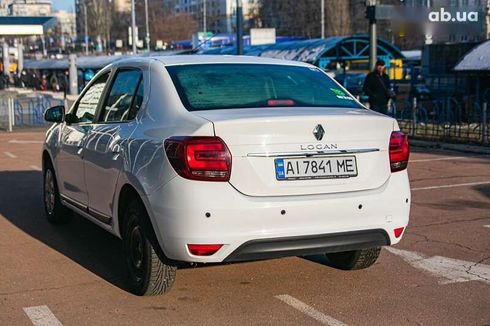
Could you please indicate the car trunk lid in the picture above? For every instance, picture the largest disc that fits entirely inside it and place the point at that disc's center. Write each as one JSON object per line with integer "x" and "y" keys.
{"x": 258, "y": 138}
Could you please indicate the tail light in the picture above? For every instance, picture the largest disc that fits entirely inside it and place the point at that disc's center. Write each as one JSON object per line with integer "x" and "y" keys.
{"x": 399, "y": 151}
{"x": 398, "y": 232}
{"x": 199, "y": 158}
{"x": 204, "y": 249}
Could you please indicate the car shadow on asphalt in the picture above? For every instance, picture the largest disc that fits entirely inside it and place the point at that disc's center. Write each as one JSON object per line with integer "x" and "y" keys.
{"x": 484, "y": 190}
{"x": 80, "y": 240}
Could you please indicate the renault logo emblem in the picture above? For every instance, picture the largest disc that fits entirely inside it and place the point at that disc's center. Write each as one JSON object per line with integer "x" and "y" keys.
{"x": 318, "y": 132}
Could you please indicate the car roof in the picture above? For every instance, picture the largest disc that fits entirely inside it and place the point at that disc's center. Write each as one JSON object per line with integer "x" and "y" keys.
{"x": 204, "y": 59}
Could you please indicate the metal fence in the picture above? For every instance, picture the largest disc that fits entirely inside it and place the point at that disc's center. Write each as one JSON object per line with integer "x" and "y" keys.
{"x": 25, "y": 110}
{"x": 443, "y": 120}
{"x": 449, "y": 120}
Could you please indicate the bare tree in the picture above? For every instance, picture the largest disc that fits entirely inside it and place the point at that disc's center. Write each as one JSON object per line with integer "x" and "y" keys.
{"x": 99, "y": 19}
{"x": 176, "y": 27}
{"x": 342, "y": 17}
{"x": 302, "y": 18}
{"x": 165, "y": 24}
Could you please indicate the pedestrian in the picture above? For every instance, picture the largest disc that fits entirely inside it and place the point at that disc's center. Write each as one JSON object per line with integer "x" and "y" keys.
{"x": 377, "y": 88}
{"x": 24, "y": 79}
{"x": 65, "y": 84}
{"x": 6, "y": 78}
{"x": 44, "y": 83}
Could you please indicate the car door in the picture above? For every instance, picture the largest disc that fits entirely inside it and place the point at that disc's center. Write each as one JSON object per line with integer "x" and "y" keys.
{"x": 103, "y": 159}
{"x": 69, "y": 160}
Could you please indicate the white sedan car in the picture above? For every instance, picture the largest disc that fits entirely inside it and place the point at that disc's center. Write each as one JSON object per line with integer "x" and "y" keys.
{"x": 209, "y": 159}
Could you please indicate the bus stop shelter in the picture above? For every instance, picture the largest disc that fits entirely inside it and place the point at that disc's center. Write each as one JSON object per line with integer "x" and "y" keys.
{"x": 17, "y": 27}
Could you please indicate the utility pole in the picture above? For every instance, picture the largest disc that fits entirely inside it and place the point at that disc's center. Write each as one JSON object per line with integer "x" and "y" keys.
{"x": 6, "y": 59}
{"x": 73, "y": 80}
{"x": 204, "y": 17}
{"x": 239, "y": 27}
{"x": 133, "y": 27}
{"x": 323, "y": 18}
{"x": 371, "y": 15}
{"x": 147, "y": 26}
{"x": 85, "y": 25}
{"x": 108, "y": 27}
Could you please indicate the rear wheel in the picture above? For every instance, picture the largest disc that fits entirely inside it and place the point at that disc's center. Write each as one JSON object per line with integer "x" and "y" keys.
{"x": 352, "y": 260}
{"x": 55, "y": 211}
{"x": 148, "y": 274}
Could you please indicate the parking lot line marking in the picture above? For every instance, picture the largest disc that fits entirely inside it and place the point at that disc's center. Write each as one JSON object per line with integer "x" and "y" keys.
{"x": 453, "y": 185}
{"x": 42, "y": 316}
{"x": 449, "y": 270}
{"x": 35, "y": 167}
{"x": 15, "y": 141}
{"x": 445, "y": 158}
{"x": 10, "y": 155}
{"x": 309, "y": 311}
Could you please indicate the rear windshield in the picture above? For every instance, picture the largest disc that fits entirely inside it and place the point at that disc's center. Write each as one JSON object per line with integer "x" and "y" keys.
{"x": 238, "y": 86}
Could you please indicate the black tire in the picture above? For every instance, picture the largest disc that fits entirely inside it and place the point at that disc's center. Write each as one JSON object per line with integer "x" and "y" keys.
{"x": 352, "y": 260}
{"x": 56, "y": 213}
{"x": 148, "y": 274}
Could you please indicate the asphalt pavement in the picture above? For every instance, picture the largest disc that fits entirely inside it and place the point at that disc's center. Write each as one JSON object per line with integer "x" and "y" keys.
{"x": 75, "y": 274}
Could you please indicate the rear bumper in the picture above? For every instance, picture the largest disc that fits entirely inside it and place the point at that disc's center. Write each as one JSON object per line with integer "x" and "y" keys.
{"x": 266, "y": 227}
{"x": 309, "y": 245}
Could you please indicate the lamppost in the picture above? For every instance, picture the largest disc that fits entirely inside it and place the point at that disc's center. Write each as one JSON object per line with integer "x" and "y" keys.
{"x": 371, "y": 13}
{"x": 133, "y": 27}
{"x": 239, "y": 27}
{"x": 204, "y": 16}
{"x": 147, "y": 26}
{"x": 323, "y": 18}
{"x": 108, "y": 25}
{"x": 85, "y": 25}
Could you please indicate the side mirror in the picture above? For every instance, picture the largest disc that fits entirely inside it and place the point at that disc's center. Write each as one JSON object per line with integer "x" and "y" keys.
{"x": 71, "y": 118}
{"x": 55, "y": 114}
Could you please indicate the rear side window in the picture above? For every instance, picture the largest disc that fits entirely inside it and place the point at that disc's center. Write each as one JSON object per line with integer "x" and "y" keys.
{"x": 234, "y": 86}
{"x": 121, "y": 101}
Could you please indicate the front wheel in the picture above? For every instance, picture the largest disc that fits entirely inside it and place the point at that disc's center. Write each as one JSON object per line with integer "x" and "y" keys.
{"x": 352, "y": 260}
{"x": 148, "y": 274}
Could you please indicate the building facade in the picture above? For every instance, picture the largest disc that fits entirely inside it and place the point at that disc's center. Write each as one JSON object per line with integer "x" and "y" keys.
{"x": 4, "y": 6}
{"x": 67, "y": 23}
{"x": 30, "y": 8}
{"x": 219, "y": 15}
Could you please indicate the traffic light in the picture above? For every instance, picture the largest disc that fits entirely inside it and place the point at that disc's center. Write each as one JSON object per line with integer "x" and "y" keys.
{"x": 371, "y": 12}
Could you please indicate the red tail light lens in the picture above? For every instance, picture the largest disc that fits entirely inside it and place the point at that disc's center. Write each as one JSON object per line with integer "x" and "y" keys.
{"x": 199, "y": 158}
{"x": 204, "y": 249}
{"x": 398, "y": 232}
{"x": 399, "y": 151}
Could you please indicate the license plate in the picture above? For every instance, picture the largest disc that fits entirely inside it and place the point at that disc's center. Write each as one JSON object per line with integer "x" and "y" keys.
{"x": 316, "y": 168}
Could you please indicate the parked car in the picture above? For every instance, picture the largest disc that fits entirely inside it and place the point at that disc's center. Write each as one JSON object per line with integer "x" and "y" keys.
{"x": 210, "y": 159}
{"x": 353, "y": 82}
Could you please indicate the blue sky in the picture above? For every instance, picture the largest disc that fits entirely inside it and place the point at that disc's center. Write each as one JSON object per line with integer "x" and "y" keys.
{"x": 63, "y": 4}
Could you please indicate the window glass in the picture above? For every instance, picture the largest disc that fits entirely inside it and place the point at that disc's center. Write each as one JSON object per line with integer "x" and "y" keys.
{"x": 238, "y": 86}
{"x": 88, "y": 103}
{"x": 120, "y": 99}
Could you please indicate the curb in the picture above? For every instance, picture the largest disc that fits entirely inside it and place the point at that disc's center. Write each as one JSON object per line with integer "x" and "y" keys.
{"x": 475, "y": 149}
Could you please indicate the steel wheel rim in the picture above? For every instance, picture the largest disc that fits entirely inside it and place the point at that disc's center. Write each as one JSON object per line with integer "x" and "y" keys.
{"x": 49, "y": 192}
{"x": 136, "y": 255}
